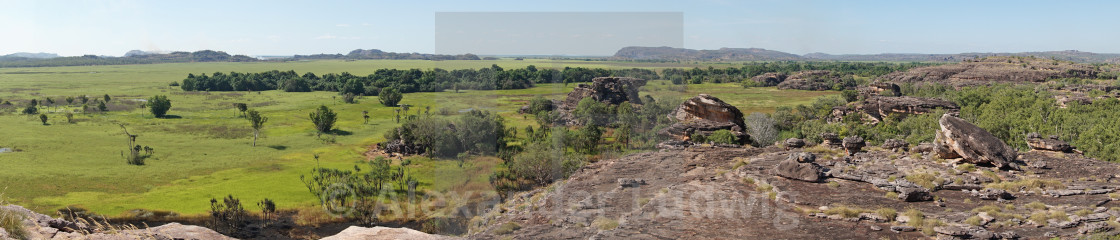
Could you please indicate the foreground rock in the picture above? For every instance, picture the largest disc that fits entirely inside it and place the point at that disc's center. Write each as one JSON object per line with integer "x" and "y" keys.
{"x": 39, "y": 226}
{"x": 705, "y": 114}
{"x": 973, "y": 144}
{"x": 682, "y": 198}
{"x": 384, "y": 233}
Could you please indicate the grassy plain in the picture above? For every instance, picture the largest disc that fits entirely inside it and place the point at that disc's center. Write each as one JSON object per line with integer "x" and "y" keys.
{"x": 204, "y": 150}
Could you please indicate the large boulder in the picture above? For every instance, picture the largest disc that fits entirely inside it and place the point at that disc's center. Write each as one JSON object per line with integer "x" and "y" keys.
{"x": 853, "y": 144}
{"x": 705, "y": 114}
{"x": 831, "y": 140}
{"x": 1036, "y": 142}
{"x": 974, "y": 144}
{"x": 800, "y": 166}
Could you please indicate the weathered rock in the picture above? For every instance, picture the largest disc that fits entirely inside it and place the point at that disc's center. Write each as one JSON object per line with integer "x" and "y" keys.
{"x": 383, "y": 233}
{"x": 831, "y": 140}
{"x": 799, "y": 166}
{"x": 992, "y": 194}
{"x": 1036, "y": 142}
{"x": 951, "y": 231}
{"x": 924, "y": 148}
{"x": 992, "y": 70}
{"x": 903, "y": 229}
{"x": 914, "y": 194}
{"x": 794, "y": 143}
{"x": 884, "y": 89}
{"x": 974, "y": 144}
{"x": 631, "y": 182}
{"x": 769, "y": 79}
{"x": 1098, "y": 227}
{"x": 673, "y": 144}
{"x": 41, "y": 226}
{"x": 705, "y": 114}
{"x": 879, "y": 107}
{"x": 897, "y": 145}
{"x": 853, "y": 144}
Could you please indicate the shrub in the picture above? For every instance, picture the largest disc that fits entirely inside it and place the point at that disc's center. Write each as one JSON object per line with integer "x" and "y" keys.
{"x": 542, "y": 163}
{"x": 12, "y": 222}
{"x": 159, "y": 105}
{"x": 323, "y": 118}
{"x": 349, "y": 98}
{"x": 762, "y": 129}
{"x": 227, "y": 216}
{"x": 507, "y": 228}
{"x": 888, "y": 213}
{"x": 724, "y": 137}
{"x": 43, "y": 118}
{"x": 30, "y": 110}
{"x": 390, "y": 97}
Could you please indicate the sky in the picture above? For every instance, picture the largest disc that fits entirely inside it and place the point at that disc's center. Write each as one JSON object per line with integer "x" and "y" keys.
{"x": 279, "y": 27}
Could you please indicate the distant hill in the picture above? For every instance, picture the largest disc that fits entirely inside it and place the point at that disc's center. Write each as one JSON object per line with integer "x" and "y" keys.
{"x": 722, "y": 54}
{"x": 759, "y": 54}
{"x": 358, "y": 54}
{"x": 132, "y": 57}
{"x": 30, "y": 55}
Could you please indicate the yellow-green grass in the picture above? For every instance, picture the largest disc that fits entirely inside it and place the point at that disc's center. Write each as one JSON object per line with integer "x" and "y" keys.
{"x": 204, "y": 151}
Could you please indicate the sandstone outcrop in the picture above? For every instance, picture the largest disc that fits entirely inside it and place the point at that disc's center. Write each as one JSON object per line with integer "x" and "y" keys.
{"x": 816, "y": 80}
{"x": 609, "y": 90}
{"x": 1036, "y": 142}
{"x": 705, "y": 114}
{"x": 879, "y": 107}
{"x": 973, "y": 144}
{"x": 769, "y": 79}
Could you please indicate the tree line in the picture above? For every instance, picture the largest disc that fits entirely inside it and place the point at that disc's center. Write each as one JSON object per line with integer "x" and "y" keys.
{"x": 404, "y": 81}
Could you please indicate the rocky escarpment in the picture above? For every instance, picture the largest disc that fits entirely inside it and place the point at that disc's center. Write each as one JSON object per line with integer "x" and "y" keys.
{"x": 769, "y": 79}
{"x": 703, "y": 115}
{"x": 994, "y": 70}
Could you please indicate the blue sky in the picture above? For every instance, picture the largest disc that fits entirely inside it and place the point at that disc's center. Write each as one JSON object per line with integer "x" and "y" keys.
{"x": 309, "y": 27}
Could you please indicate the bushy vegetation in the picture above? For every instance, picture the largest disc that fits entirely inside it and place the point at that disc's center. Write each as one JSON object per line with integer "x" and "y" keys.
{"x": 404, "y": 81}
{"x": 476, "y": 132}
{"x": 159, "y": 105}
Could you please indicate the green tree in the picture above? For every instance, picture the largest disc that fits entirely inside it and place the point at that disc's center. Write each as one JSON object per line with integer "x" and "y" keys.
{"x": 101, "y": 106}
{"x": 107, "y": 98}
{"x": 323, "y": 118}
{"x": 390, "y": 97}
{"x": 242, "y": 107}
{"x": 69, "y": 100}
{"x": 257, "y": 122}
{"x": 29, "y": 110}
{"x": 84, "y": 98}
{"x": 43, "y": 118}
{"x": 159, "y": 105}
